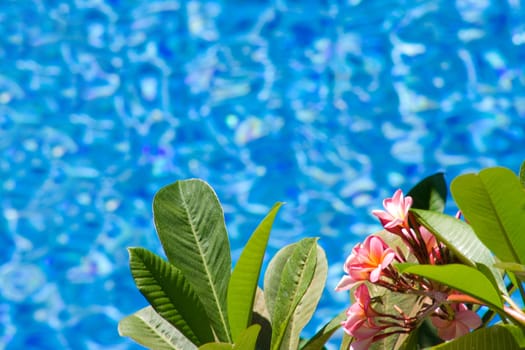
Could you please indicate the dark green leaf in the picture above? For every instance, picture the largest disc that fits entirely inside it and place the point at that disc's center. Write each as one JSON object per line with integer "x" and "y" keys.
{"x": 493, "y": 202}
{"x": 170, "y": 294}
{"x": 430, "y": 193}
{"x": 499, "y": 337}
{"x": 243, "y": 283}
{"x": 463, "y": 278}
{"x": 190, "y": 224}
{"x": 149, "y": 329}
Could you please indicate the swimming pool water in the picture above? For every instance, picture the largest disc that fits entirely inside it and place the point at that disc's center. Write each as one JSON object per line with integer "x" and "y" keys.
{"x": 326, "y": 105}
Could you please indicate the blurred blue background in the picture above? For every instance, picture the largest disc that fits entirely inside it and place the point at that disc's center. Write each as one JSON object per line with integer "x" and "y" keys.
{"x": 327, "y": 105}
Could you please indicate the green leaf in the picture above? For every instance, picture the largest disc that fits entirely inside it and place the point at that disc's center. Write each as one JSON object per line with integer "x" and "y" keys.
{"x": 517, "y": 269}
{"x": 308, "y": 303}
{"x": 430, "y": 193}
{"x": 170, "y": 294}
{"x": 287, "y": 278}
{"x": 499, "y": 337}
{"x": 243, "y": 282}
{"x": 463, "y": 278}
{"x": 149, "y": 329}
{"x": 190, "y": 224}
{"x": 522, "y": 174}
{"x": 216, "y": 346}
{"x": 459, "y": 237}
{"x": 318, "y": 341}
{"x": 346, "y": 341}
{"x": 247, "y": 341}
{"x": 248, "y": 338}
{"x": 493, "y": 202}
{"x": 384, "y": 301}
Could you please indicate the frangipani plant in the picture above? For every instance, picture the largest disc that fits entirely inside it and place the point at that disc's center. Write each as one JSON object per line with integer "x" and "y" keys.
{"x": 428, "y": 280}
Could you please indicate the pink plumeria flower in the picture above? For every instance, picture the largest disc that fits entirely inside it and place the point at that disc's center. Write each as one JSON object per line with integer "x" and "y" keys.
{"x": 366, "y": 262}
{"x": 359, "y": 323}
{"x": 395, "y": 215}
{"x": 453, "y": 326}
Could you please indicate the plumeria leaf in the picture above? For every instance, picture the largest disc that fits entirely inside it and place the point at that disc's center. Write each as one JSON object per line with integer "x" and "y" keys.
{"x": 522, "y": 174}
{"x": 170, "y": 294}
{"x": 385, "y": 299}
{"x": 190, "y": 224}
{"x": 430, "y": 193}
{"x": 286, "y": 281}
{"x": 217, "y": 346}
{"x": 247, "y": 339}
{"x": 493, "y": 202}
{"x": 501, "y": 337}
{"x": 517, "y": 269}
{"x": 149, "y": 329}
{"x": 463, "y": 278}
{"x": 318, "y": 341}
{"x": 243, "y": 283}
{"x": 459, "y": 237}
{"x": 308, "y": 303}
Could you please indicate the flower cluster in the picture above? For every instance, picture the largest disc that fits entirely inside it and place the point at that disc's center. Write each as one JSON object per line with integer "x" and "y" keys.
{"x": 372, "y": 263}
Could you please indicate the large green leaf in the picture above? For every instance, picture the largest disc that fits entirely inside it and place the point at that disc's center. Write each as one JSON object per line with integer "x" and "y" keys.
{"x": 190, "y": 224}
{"x": 287, "y": 278}
{"x": 463, "y": 278}
{"x": 308, "y": 303}
{"x": 493, "y": 202}
{"x": 501, "y": 337}
{"x": 318, "y": 341}
{"x": 430, "y": 193}
{"x": 243, "y": 282}
{"x": 459, "y": 237}
{"x": 148, "y": 328}
{"x": 170, "y": 294}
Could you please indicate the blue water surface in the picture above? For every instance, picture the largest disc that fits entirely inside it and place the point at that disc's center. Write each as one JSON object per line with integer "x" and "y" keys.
{"x": 327, "y": 105}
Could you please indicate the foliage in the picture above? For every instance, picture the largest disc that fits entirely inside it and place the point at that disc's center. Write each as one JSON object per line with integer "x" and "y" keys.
{"x": 428, "y": 280}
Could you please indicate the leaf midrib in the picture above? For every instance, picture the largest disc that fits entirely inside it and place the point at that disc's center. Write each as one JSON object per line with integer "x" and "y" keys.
{"x": 292, "y": 309}
{"x": 201, "y": 254}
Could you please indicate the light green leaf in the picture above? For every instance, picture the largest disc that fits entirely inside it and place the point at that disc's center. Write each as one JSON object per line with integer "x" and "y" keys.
{"x": 522, "y": 174}
{"x": 499, "y": 337}
{"x": 216, "y": 346}
{"x": 384, "y": 300}
{"x": 169, "y": 293}
{"x": 293, "y": 268}
{"x": 247, "y": 341}
{"x": 318, "y": 341}
{"x": 459, "y": 237}
{"x": 248, "y": 338}
{"x": 308, "y": 303}
{"x": 243, "y": 282}
{"x": 149, "y": 329}
{"x": 346, "y": 341}
{"x": 517, "y": 269}
{"x": 430, "y": 193}
{"x": 493, "y": 202}
{"x": 190, "y": 224}
{"x": 463, "y": 278}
